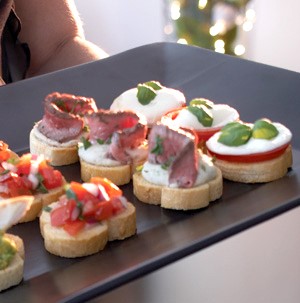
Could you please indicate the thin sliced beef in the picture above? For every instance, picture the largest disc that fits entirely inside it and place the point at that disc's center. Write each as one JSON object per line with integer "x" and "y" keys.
{"x": 124, "y": 130}
{"x": 175, "y": 151}
{"x": 63, "y": 116}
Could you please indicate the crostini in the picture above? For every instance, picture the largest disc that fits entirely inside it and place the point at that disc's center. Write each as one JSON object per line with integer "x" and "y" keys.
{"x": 12, "y": 251}
{"x": 56, "y": 136}
{"x": 115, "y": 145}
{"x": 203, "y": 116}
{"x": 150, "y": 99}
{"x": 30, "y": 175}
{"x": 86, "y": 217}
{"x": 252, "y": 153}
{"x": 177, "y": 175}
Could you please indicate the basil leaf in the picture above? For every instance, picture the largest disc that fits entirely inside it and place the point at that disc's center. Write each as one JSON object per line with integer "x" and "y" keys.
{"x": 71, "y": 194}
{"x": 6, "y": 171}
{"x": 47, "y": 208}
{"x": 204, "y": 117}
{"x": 86, "y": 143}
{"x": 145, "y": 94}
{"x": 264, "y": 129}
{"x": 100, "y": 141}
{"x": 158, "y": 149}
{"x": 201, "y": 101}
{"x": 154, "y": 84}
{"x": 235, "y": 134}
{"x": 41, "y": 187}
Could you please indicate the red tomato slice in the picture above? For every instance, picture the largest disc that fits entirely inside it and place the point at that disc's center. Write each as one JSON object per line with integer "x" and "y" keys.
{"x": 58, "y": 216}
{"x": 74, "y": 227}
{"x": 252, "y": 158}
{"x": 52, "y": 178}
{"x": 111, "y": 189}
{"x": 104, "y": 210}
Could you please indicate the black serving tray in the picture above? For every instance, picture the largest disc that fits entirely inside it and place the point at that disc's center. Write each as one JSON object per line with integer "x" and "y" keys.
{"x": 163, "y": 236}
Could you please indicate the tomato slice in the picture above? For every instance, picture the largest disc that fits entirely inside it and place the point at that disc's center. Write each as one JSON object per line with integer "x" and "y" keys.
{"x": 52, "y": 178}
{"x": 58, "y": 216}
{"x": 252, "y": 158}
{"x": 74, "y": 227}
{"x": 111, "y": 189}
{"x": 104, "y": 210}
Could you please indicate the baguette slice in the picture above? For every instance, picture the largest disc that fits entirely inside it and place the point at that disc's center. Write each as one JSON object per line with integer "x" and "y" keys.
{"x": 57, "y": 156}
{"x": 119, "y": 175}
{"x": 260, "y": 172}
{"x": 122, "y": 225}
{"x": 40, "y": 201}
{"x": 59, "y": 242}
{"x": 178, "y": 198}
{"x": 13, "y": 274}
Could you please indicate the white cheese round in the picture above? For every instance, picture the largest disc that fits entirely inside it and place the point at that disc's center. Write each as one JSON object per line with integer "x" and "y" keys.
{"x": 166, "y": 99}
{"x": 253, "y": 145}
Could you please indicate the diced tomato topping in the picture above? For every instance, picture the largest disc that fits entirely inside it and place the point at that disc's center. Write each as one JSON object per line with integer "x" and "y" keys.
{"x": 4, "y": 155}
{"x": 104, "y": 210}
{"x": 58, "y": 217}
{"x": 111, "y": 189}
{"x": 117, "y": 205}
{"x": 74, "y": 227}
{"x": 17, "y": 186}
{"x": 52, "y": 178}
{"x": 23, "y": 165}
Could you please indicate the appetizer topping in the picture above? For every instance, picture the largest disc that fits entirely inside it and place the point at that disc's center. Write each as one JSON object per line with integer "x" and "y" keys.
{"x": 7, "y": 251}
{"x": 28, "y": 175}
{"x": 122, "y": 131}
{"x": 87, "y": 203}
{"x": 248, "y": 147}
{"x": 63, "y": 116}
{"x": 175, "y": 151}
{"x": 4, "y": 151}
{"x": 150, "y": 99}
{"x": 201, "y": 101}
{"x": 146, "y": 91}
{"x": 238, "y": 133}
{"x": 201, "y": 113}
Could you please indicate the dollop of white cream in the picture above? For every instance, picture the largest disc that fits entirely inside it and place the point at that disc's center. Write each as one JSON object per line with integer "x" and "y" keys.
{"x": 96, "y": 154}
{"x": 166, "y": 99}
{"x": 221, "y": 113}
{"x": 51, "y": 142}
{"x": 155, "y": 174}
{"x": 253, "y": 145}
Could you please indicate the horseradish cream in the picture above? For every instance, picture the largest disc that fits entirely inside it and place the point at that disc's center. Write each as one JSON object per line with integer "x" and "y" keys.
{"x": 155, "y": 174}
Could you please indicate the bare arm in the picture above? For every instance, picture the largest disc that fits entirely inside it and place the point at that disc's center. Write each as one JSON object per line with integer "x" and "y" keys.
{"x": 54, "y": 34}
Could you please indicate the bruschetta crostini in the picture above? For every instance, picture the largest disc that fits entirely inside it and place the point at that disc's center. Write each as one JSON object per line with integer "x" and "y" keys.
{"x": 252, "y": 153}
{"x": 116, "y": 144}
{"x": 30, "y": 175}
{"x": 86, "y": 217}
{"x": 12, "y": 251}
{"x": 176, "y": 175}
{"x": 150, "y": 99}
{"x": 203, "y": 116}
{"x": 56, "y": 136}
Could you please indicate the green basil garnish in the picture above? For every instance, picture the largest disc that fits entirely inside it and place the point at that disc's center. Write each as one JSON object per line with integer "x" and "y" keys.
{"x": 86, "y": 143}
{"x": 158, "y": 149}
{"x": 263, "y": 129}
{"x": 145, "y": 94}
{"x": 154, "y": 84}
{"x": 201, "y": 101}
{"x": 41, "y": 187}
{"x": 203, "y": 116}
{"x": 47, "y": 208}
{"x": 235, "y": 134}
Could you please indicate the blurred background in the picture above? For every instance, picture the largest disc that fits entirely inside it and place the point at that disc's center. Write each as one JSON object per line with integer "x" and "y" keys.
{"x": 260, "y": 264}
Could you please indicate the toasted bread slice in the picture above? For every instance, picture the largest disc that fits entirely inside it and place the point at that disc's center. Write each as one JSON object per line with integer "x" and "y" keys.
{"x": 57, "y": 156}
{"x": 260, "y": 172}
{"x": 13, "y": 274}
{"x": 178, "y": 198}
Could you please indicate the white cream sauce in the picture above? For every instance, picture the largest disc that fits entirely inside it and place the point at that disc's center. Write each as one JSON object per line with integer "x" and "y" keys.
{"x": 155, "y": 174}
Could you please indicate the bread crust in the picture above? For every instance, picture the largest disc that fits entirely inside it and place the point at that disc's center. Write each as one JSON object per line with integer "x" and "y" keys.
{"x": 13, "y": 274}
{"x": 122, "y": 225}
{"x": 91, "y": 240}
{"x": 40, "y": 201}
{"x": 260, "y": 172}
{"x": 178, "y": 198}
{"x": 119, "y": 175}
{"x": 57, "y": 156}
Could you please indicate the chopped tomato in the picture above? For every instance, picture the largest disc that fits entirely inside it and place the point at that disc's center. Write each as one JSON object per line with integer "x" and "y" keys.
{"x": 4, "y": 155}
{"x": 117, "y": 205}
{"x": 74, "y": 227}
{"x": 23, "y": 165}
{"x": 104, "y": 210}
{"x": 17, "y": 186}
{"x": 81, "y": 193}
{"x": 252, "y": 158}
{"x": 52, "y": 178}
{"x": 62, "y": 214}
{"x": 111, "y": 189}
